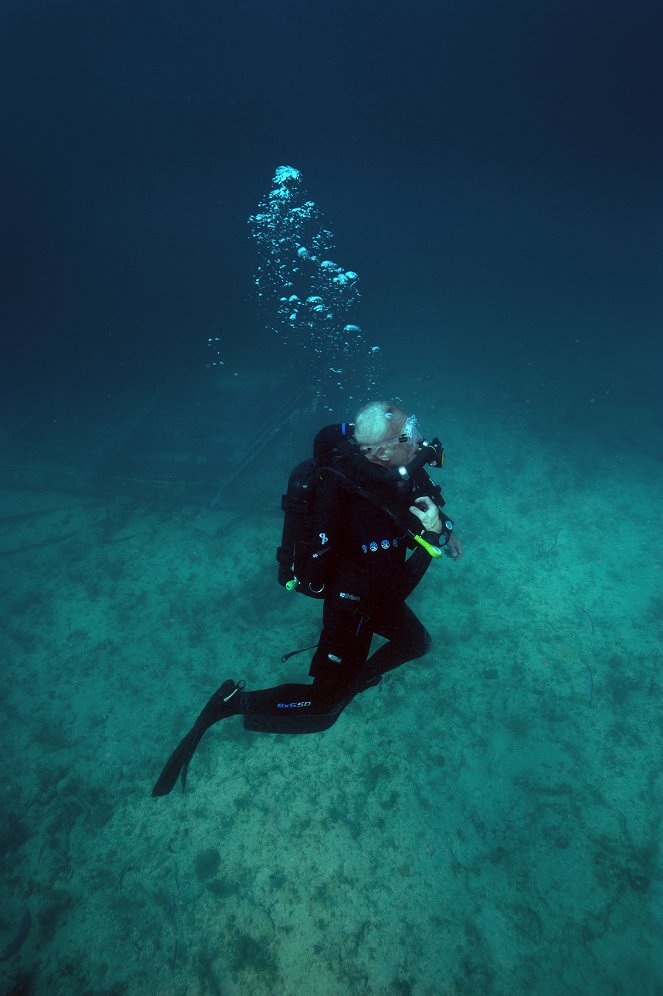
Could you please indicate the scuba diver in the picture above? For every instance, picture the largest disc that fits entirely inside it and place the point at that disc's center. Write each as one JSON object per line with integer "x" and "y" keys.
{"x": 351, "y": 514}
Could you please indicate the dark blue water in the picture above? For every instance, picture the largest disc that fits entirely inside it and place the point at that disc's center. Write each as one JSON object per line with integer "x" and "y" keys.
{"x": 498, "y": 166}
{"x": 493, "y": 174}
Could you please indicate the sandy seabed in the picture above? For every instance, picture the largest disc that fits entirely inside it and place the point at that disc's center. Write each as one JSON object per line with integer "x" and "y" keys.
{"x": 487, "y": 820}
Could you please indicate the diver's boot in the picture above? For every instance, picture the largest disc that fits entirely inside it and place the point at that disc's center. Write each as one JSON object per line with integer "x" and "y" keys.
{"x": 225, "y": 702}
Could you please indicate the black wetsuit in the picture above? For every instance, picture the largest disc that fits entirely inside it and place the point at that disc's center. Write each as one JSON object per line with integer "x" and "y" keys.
{"x": 366, "y": 596}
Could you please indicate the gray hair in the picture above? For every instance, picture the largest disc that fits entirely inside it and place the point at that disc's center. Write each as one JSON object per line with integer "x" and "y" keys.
{"x": 375, "y": 422}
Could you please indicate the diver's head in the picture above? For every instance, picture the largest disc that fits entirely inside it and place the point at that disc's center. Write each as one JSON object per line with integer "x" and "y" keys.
{"x": 386, "y": 435}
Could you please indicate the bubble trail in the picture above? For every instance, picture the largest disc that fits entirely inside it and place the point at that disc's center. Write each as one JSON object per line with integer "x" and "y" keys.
{"x": 306, "y": 296}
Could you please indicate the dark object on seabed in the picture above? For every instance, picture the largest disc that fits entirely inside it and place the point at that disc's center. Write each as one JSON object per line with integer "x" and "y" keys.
{"x": 19, "y": 938}
{"x": 221, "y": 705}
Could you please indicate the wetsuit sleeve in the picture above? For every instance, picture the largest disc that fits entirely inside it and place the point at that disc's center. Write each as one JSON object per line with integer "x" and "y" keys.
{"x": 419, "y": 560}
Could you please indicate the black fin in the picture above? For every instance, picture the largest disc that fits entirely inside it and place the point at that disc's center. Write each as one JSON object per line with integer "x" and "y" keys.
{"x": 178, "y": 760}
{"x": 219, "y": 706}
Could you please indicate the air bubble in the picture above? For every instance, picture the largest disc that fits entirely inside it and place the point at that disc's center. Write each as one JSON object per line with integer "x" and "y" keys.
{"x": 305, "y": 293}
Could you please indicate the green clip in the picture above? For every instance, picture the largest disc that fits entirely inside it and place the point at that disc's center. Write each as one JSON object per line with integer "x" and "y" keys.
{"x": 434, "y": 551}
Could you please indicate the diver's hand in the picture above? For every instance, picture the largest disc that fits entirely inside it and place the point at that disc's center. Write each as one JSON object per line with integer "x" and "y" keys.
{"x": 428, "y": 514}
{"x": 454, "y": 547}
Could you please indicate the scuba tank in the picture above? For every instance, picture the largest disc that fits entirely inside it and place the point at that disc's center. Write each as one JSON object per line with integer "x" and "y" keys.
{"x": 299, "y": 569}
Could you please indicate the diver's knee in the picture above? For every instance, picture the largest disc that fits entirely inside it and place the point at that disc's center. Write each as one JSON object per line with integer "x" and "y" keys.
{"x": 330, "y": 691}
{"x": 423, "y": 644}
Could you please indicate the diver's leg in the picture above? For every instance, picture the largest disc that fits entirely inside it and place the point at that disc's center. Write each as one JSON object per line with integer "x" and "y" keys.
{"x": 342, "y": 650}
{"x": 344, "y": 644}
{"x": 267, "y": 701}
{"x": 295, "y": 708}
{"x": 407, "y": 639}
